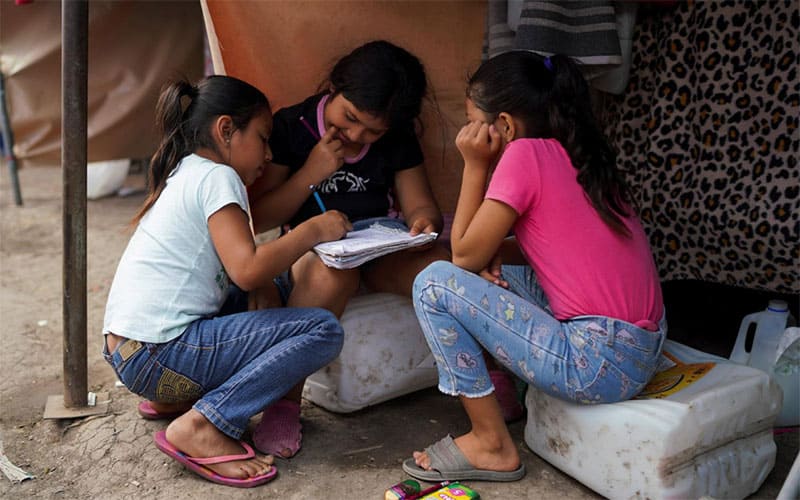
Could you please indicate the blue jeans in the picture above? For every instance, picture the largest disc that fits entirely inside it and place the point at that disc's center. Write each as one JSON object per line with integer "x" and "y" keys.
{"x": 587, "y": 359}
{"x": 234, "y": 365}
{"x": 391, "y": 222}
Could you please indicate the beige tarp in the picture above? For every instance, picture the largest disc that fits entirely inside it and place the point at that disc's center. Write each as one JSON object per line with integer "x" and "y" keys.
{"x": 133, "y": 48}
{"x": 287, "y": 48}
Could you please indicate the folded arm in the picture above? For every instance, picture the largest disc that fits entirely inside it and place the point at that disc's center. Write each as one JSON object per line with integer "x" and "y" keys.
{"x": 416, "y": 201}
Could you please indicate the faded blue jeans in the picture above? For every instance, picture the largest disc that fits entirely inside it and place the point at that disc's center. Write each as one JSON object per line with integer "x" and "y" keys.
{"x": 586, "y": 359}
{"x": 234, "y": 365}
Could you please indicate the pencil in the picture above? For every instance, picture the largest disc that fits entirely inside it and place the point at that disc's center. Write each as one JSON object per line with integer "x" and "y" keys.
{"x": 435, "y": 487}
{"x": 309, "y": 128}
{"x": 317, "y": 197}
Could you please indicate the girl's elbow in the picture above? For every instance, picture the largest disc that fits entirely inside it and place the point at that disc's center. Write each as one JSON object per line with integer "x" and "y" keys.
{"x": 245, "y": 281}
{"x": 462, "y": 257}
{"x": 242, "y": 285}
{"x": 464, "y": 262}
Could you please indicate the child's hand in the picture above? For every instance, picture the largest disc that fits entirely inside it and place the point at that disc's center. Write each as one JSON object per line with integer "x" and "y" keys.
{"x": 479, "y": 143}
{"x": 421, "y": 225}
{"x": 326, "y": 157}
{"x": 331, "y": 226}
{"x": 492, "y": 272}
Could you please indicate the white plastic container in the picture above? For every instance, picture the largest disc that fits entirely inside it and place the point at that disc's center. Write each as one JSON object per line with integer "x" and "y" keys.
{"x": 787, "y": 374}
{"x": 703, "y": 428}
{"x": 774, "y": 349}
{"x": 384, "y": 356}
{"x": 104, "y": 178}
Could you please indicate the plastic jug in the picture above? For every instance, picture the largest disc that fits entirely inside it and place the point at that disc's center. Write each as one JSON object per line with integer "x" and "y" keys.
{"x": 775, "y": 349}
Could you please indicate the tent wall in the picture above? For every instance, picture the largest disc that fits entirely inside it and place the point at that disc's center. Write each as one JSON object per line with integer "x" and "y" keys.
{"x": 287, "y": 48}
{"x": 133, "y": 48}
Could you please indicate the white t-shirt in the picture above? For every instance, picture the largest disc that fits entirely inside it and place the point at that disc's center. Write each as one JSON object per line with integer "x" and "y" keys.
{"x": 170, "y": 274}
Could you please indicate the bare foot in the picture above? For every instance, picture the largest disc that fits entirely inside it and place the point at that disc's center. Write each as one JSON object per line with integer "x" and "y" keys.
{"x": 194, "y": 435}
{"x": 279, "y": 432}
{"x": 501, "y": 456}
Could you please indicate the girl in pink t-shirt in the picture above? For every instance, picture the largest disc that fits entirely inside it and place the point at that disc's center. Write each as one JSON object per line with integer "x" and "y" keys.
{"x": 572, "y": 302}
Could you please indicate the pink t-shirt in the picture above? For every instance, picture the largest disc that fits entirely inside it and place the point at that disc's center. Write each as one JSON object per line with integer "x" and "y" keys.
{"x": 583, "y": 266}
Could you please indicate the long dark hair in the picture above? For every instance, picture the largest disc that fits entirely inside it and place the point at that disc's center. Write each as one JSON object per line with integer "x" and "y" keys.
{"x": 185, "y": 125}
{"x": 383, "y": 80}
{"x": 552, "y": 99}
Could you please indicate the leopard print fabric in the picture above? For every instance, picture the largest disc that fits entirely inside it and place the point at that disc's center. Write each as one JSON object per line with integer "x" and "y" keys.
{"x": 707, "y": 132}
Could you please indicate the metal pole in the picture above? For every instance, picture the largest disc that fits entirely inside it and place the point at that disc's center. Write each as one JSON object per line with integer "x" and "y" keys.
{"x": 8, "y": 143}
{"x": 74, "y": 66}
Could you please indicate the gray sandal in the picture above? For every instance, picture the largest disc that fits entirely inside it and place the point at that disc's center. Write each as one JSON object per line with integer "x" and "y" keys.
{"x": 449, "y": 464}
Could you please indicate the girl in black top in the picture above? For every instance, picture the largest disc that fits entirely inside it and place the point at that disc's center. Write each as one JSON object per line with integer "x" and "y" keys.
{"x": 355, "y": 144}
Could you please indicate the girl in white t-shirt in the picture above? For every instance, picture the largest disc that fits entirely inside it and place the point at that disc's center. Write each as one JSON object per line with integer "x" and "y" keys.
{"x": 572, "y": 302}
{"x": 177, "y": 331}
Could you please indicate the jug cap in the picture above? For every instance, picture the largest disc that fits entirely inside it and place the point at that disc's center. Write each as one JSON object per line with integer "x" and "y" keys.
{"x": 776, "y": 305}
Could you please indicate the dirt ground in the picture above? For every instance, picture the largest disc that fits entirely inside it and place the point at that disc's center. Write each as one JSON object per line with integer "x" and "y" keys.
{"x": 111, "y": 456}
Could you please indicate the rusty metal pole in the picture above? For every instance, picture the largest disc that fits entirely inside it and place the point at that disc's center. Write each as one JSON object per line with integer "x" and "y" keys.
{"x": 74, "y": 71}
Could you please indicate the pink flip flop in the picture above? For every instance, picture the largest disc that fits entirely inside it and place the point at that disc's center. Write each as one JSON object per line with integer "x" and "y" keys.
{"x": 197, "y": 465}
{"x": 506, "y": 393}
{"x": 279, "y": 429}
{"x": 147, "y": 412}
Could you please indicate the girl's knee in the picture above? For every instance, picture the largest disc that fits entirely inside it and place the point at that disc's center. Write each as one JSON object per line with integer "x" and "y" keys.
{"x": 434, "y": 272}
{"x": 316, "y": 276}
{"x": 331, "y": 325}
{"x": 331, "y": 331}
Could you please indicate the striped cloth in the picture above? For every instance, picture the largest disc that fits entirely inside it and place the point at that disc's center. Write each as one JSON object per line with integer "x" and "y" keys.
{"x": 596, "y": 34}
{"x": 584, "y": 30}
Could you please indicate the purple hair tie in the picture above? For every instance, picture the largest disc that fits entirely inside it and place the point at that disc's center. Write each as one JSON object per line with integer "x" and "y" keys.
{"x": 548, "y": 64}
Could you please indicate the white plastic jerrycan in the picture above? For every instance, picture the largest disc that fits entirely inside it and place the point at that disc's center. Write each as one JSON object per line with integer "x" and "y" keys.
{"x": 775, "y": 349}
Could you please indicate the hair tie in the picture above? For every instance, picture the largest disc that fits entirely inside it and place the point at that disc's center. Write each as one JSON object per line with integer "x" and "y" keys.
{"x": 548, "y": 64}
{"x": 187, "y": 93}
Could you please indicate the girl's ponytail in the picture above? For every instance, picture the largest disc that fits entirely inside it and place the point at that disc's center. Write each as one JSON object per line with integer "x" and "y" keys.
{"x": 573, "y": 124}
{"x": 184, "y": 115}
{"x": 173, "y": 145}
{"x": 563, "y": 101}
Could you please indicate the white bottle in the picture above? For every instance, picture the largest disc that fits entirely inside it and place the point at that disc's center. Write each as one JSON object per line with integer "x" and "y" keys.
{"x": 773, "y": 352}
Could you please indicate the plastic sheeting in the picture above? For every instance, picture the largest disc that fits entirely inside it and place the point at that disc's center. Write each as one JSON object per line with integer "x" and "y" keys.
{"x": 133, "y": 48}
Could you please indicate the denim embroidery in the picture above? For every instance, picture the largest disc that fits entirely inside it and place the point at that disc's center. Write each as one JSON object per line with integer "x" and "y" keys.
{"x": 173, "y": 387}
{"x": 448, "y": 336}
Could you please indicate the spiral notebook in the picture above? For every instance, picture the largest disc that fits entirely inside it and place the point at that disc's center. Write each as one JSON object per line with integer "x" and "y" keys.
{"x": 363, "y": 245}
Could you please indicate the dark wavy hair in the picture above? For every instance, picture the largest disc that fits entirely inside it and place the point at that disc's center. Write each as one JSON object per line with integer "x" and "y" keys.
{"x": 383, "y": 80}
{"x": 553, "y": 101}
{"x": 185, "y": 128}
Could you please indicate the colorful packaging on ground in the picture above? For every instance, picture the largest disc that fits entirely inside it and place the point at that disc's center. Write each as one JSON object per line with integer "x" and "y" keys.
{"x": 402, "y": 490}
{"x": 446, "y": 490}
{"x": 452, "y": 491}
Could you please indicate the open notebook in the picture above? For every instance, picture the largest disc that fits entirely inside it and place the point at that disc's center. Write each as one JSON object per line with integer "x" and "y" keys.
{"x": 364, "y": 245}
